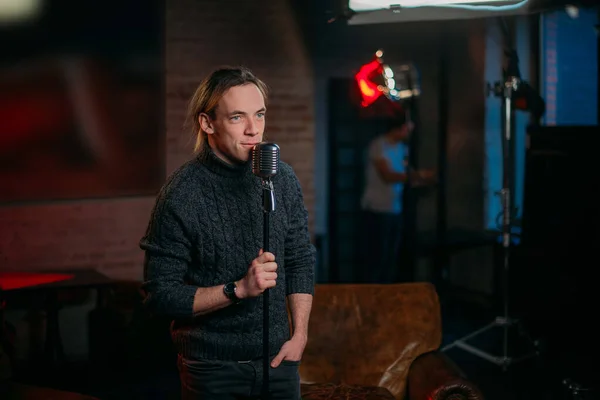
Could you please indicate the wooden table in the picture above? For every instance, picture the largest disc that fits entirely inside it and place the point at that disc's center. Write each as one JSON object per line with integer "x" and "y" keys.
{"x": 50, "y": 284}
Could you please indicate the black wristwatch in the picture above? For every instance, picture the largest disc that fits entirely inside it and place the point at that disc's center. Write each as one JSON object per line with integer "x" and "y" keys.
{"x": 229, "y": 290}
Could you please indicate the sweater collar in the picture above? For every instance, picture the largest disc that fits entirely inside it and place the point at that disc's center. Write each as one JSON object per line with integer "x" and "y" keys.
{"x": 210, "y": 160}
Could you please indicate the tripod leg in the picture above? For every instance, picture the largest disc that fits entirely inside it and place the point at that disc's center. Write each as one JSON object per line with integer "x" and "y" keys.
{"x": 469, "y": 336}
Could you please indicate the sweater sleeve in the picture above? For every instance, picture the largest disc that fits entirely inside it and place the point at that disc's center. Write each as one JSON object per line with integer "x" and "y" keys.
{"x": 299, "y": 251}
{"x": 168, "y": 246}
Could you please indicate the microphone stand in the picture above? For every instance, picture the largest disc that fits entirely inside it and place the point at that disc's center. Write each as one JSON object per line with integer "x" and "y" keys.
{"x": 268, "y": 207}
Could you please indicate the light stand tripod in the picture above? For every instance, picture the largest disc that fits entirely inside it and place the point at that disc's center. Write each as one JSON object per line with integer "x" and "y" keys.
{"x": 511, "y": 84}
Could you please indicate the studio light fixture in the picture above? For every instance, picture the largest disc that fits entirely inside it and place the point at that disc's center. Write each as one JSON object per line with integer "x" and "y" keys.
{"x": 372, "y": 5}
{"x": 383, "y": 11}
{"x": 376, "y": 78}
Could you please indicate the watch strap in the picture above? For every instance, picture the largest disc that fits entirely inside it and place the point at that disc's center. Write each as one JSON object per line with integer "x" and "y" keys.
{"x": 229, "y": 290}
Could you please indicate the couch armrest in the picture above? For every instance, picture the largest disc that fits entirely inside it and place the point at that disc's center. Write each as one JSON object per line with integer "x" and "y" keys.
{"x": 433, "y": 376}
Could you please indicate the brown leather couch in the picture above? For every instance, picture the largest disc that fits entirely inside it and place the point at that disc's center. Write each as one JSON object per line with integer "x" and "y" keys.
{"x": 366, "y": 342}
{"x": 370, "y": 341}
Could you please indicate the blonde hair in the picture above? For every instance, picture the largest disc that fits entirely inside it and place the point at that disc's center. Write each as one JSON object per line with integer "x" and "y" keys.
{"x": 209, "y": 92}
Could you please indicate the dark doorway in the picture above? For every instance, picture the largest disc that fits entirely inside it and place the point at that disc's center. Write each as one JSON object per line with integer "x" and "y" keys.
{"x": 351, "y": 129}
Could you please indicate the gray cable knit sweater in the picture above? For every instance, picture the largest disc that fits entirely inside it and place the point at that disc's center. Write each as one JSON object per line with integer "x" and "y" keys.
{"x": 205, "y": 229}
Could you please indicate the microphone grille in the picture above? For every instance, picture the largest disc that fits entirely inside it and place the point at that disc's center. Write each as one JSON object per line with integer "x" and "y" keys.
{"x": 265, "y": 159}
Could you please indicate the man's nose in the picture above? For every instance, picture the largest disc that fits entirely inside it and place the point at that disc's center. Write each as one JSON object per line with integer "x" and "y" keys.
{"x": 251, "y": 128}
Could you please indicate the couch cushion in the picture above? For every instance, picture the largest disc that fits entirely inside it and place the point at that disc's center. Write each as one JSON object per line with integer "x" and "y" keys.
{"x": 330, "y": 391}
{"x": 369, "y": 334}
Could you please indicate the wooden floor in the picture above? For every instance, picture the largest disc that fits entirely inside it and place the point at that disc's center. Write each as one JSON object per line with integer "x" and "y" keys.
{"x": 536, "y": 369}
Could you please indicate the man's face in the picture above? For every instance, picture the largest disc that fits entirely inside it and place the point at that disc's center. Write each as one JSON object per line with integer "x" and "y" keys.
{"x": 238, "y": 125}
{"x": 403, "y": 133}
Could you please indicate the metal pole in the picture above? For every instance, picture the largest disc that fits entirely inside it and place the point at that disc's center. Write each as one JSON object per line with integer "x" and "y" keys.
{"x": 268, "y": 206}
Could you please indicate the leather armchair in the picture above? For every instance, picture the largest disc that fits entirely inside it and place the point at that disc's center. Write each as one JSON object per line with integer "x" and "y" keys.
{"x": 371, "y": 341}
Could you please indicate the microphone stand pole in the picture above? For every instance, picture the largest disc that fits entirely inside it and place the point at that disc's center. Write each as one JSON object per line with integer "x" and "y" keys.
{"x": 268, "y": 207}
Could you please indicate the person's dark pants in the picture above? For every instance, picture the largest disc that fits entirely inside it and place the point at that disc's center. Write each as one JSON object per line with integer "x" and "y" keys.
{"x": 381, "y": 237}
{"x": 236, "y": 380}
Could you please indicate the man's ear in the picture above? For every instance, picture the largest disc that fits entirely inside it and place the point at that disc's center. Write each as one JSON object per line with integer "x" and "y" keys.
{"x": 206, "y": 124}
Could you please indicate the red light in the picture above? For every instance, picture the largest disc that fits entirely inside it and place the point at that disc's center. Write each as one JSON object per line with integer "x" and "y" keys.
{"x": 17, "y": 280}
{"x": 368, "y": 90}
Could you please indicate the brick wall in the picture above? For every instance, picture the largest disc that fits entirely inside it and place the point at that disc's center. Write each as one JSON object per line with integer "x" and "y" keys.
{"x": 100, "y": 234}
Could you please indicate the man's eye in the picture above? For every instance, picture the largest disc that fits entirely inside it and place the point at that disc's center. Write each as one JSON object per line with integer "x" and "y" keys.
{"x": 235, "y": 118}
{"x": 260, "y": 115}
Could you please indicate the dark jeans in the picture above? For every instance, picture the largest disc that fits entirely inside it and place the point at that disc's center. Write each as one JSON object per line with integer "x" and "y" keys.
{"x": 236, "y": 380}
{"x": 381, "y": 237}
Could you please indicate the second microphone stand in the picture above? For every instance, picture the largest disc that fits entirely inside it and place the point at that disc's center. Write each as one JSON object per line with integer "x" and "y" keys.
{"x": 268, "y": 207}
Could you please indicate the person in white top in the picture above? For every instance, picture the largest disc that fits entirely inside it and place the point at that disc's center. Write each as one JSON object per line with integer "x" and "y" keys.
{"x": 387, "y": 171}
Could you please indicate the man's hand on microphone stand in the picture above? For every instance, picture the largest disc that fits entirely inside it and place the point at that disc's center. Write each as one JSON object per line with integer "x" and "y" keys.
{"x": 261, "y": 275}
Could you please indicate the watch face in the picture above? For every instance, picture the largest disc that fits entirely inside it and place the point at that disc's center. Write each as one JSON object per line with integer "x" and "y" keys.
{"x": 230, "y": 290}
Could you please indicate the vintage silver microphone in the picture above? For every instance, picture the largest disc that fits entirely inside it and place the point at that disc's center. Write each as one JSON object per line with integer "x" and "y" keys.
{"x": 265, "y": 162}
